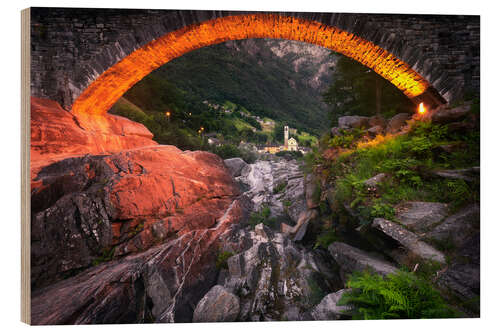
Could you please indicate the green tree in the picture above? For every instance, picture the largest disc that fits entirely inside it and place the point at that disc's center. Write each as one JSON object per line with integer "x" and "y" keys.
{"x": 358, "y": 90}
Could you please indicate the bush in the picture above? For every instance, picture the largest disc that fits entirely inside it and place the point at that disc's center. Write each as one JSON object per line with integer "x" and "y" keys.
{"x": 325, "y": 239}
{"x": 229, "y": 151}
{"x": 290, "y": 155}
{"x": 264, "y": 217}
{"x": 402, "y": 295}
{"x": 221, "y": 261}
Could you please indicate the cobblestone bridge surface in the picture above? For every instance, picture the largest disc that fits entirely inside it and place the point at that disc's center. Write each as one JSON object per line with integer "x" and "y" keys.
{"x": 71, "y": 48}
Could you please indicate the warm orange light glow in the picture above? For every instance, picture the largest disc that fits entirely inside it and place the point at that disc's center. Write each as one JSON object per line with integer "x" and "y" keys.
{"x": 115, "y": 81}
{"x": 421, "y": 108}
{"x": 167, "y": 114}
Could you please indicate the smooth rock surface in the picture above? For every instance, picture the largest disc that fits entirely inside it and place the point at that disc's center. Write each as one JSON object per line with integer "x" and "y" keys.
{"x": 397, "y": 122}
{"x": 264, "y": 178}
{"x": 462, "y": 277}
{"x": 91, "y": 207}
{"x": 274, "y": 277}
{"x": 328, "y": 309}
{"x": 375, "y": 180}
{"x": 409, "y": 240}
{"x": 351, "y": 259}
{"x": 348, "y": 122}
{"x": 235, "y": 165}
{"x": 419, "y": 215}
{"x": 469, "y": 174}
{"x": 57, "y": 134}
{"x": 375, "y": 130}
{"x": 445, "y": 116}
{"x": 377, "y": 121}
{"x": 458, "y": 227}
{"x": 218, "y": 305}
{"x": 157, "y": 285}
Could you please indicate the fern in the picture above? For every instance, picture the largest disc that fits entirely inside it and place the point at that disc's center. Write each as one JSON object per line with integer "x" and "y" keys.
{"x": 401, "y": 295}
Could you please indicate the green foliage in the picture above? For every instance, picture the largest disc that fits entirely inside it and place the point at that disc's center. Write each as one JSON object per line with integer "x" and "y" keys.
{"x": 347, "y": 139}
{"x": 316, "y": 292}
{"x": 221, "y": 261}
{"x": 219, "y": 73}
{"x": 457, "y": 191}
{"x": 229, "y": 151}
{"x": 290, "y": 155}
{"x": 264, "y": 217}
{"x": 353, "y": 91}
{"x": 398, "y": 296}
{"x": 325, "y": 239}
{"x": 106, "y": 255}
{"x": 408, "y": 161}
{"x": 280, "y": 187}
{"x": 380, "y": 209}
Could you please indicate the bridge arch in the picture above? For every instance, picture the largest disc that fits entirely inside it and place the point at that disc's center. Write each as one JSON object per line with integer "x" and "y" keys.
{"x": 102, "y": 93}
{"x": 110, "y": 50}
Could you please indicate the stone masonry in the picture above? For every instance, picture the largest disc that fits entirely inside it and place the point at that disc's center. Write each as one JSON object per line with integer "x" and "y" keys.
{"x": 71, "y": 47}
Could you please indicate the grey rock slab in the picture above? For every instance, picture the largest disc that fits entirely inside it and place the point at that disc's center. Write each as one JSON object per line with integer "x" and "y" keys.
{"x": 275, "y": 278}
{"x": 462, "y": 278}
{"x": 261, "y": 179}
{"x": 347, "y": 122}
{"x": 328, "y": 308}
{"x": 397, "y": 122}
{"x": 469, "y": 174}
{"x": 375, "y": 180}
{"x": 218, "y": 305}
{"x": 445, "y": 116}
{"x": 351, "y": 259}
{"x": 376, "y": 130}
{"x": 419, "y": 215}
{"x": 311, "y": 186}
{"x": 377, "y": 121}
{"x": 457, "y": 227}
{"x": 235, "y": 166}
{"x": 408, "y": 240}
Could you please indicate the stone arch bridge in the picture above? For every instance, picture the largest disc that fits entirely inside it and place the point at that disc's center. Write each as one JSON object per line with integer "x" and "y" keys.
{"x": 85, "y": 59}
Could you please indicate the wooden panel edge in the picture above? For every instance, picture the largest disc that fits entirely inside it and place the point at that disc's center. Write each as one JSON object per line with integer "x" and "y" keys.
{"x": 25, "y": 167}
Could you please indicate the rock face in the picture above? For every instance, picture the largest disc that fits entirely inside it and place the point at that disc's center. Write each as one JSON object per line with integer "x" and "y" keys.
{"x": 235, "y": 166}
{"x": 377, "y": 121}
{"x": 375, "y": 180}
{"x": 409, "y": 241}
{"x": 57, "y": 133}
{"x": 217, "y": 305}
{"x": 351, "y": 259}
{"x": 469, "y": 174}
{"x": 277, "y": 184}
{"x": 157, "y": 285}
{"x": 275, "y": 278}
{"x": 445, "y": 116}
{"x": 328, "y": 309}
{"x": 462, "y": 278}
{"x": 419, "y": 215}
{"x": 458, "y": 227}
{"x": 87, "y": 209}
{"x": 397, "y": 122}
{"x": 348, "y": 122}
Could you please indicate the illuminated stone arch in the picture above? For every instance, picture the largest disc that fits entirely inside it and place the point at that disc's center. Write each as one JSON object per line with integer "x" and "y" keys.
{"x": 114, "y": 82}
{"x": 124, "y": 46}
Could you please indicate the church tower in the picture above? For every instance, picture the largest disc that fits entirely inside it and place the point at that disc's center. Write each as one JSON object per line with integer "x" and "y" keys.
{"x": 286, "y": 137}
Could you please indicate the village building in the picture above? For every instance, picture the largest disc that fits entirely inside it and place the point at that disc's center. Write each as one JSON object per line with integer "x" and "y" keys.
{"x": 289, "y": 144}
{"x": 292, "y": 145}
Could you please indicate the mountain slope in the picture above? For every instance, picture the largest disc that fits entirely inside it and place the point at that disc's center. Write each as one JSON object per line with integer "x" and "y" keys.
{"x": 279, "y": 79}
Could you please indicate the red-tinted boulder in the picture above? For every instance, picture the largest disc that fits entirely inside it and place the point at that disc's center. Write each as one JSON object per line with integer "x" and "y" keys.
{"x": 57, "y": 133}
{"x": 87, "y": 208}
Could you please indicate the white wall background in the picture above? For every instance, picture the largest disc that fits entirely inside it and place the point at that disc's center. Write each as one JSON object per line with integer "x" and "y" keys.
{"x": 490, "y": 111}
